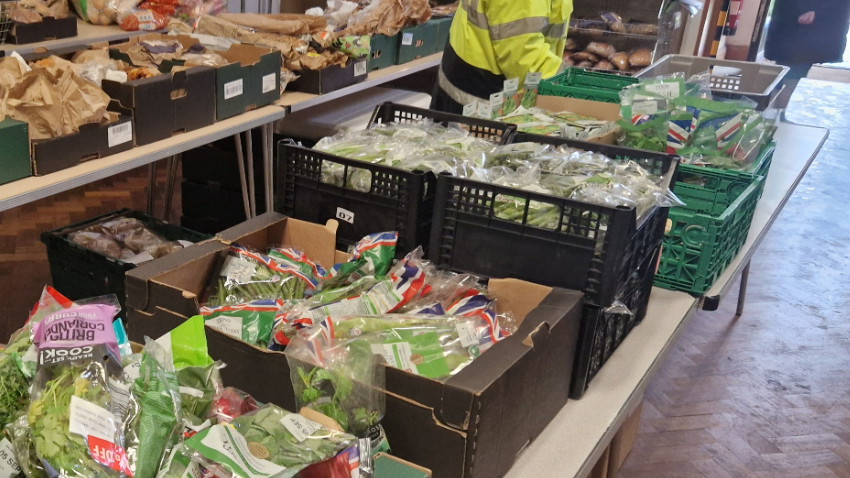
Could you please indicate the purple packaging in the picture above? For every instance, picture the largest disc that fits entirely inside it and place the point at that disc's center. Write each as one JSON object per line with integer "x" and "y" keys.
{"x": 85, "y": 325}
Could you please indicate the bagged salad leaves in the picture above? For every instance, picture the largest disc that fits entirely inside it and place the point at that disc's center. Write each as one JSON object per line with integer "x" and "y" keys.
{"x": 230, "y": 403}
{"x": 270, "y": 443}
{"x": 247, "y": 276}
{"x": 562, "y": 124}
{"x": 726, "y": 134}
{"x": 79, "y": 397}
{"x": 372, "y": 256}
{"x": 251, "y": 323}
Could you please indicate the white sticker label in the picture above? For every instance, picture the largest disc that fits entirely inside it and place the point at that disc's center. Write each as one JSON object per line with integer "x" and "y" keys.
{"x": 667, "y": 90}
{"x": 185, "y": 243}
{"x": 227, "y": 325}
{"x": 496, "y": 100}
{"x": 269, "y": 83}
{"x": 238, "y": 269}
{"x": 301, "y": 427}
{"x": 192, "y": 392}
{"x": 233, "y": 89}
{"x": 510, "y": 86}
{"x": 119, "y": 134}
{"x": 467, "y": 333}
{"x": 145, "y": 16}
{"x": 9, "y": 467}
{"x": 397, "y": 355}
{"x": 345, "y": 215}
{"x": 407, "y": 39}
{"x": 224, "y": 439}
{"x": 132, "y": 370}
{"x": 484, "y": 109}
{"x": 470, "y": 109}
{"x": 361, "y": 68}
{"x": 193, "y": 470}
{"x": 533, "y": 79}
{"x": 139, "y": 258}
{"x": 644, "y": 107}
{"x": 90, "y": 419}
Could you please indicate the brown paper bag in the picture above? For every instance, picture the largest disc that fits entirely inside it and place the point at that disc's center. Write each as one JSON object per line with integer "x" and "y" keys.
{"x": 285, "y": 24}
{"x": 384, "y": 17}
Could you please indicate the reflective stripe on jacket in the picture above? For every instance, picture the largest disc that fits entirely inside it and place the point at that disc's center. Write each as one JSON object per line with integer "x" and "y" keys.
{"x": 511, "y": 38}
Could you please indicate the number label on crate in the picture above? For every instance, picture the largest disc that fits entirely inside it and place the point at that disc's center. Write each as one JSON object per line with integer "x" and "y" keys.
{"x": 407, "y": 39}
{"x": 119, "y": 134}
{"x": 345, "y": 215}
{"x": 233, "y": 89}
{"x": 269, "y": 83}
{"x": 360, "y": 68}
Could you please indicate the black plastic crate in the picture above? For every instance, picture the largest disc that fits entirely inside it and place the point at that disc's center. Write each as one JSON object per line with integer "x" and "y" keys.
{"x": 397, "y": 200}
{"x": 594, "y": 248}
{"x": 79, "y": 272}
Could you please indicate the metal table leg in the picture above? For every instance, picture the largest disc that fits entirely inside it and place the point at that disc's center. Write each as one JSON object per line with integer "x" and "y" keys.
{"x": 151, "y": 187}
{"x": 268, "y": 167}
{"x": 241, "y": 162}
{"x": 252, "y": 196}
{"x": 171, "y": 168}
{"x": 742, "y": 292}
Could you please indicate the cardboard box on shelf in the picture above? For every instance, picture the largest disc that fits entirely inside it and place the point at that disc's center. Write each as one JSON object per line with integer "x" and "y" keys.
{"x": 417, "y": 42}
{"x": 166, "y": 104}
{"x": 93, "y": 141}
{"x": 624, "y": 441}
{"x": 384, "y": 51}
{"x": 15, "y": 153}
{"x": 48, "y": 28}
{"x": 177, "y": 283}
{"x": 444, "y": 25}
{"x": 251, "y": 80}
{"x": 473, "y": 425}
{"x": 319, "y": 82}
{"x": 593, "y": 109}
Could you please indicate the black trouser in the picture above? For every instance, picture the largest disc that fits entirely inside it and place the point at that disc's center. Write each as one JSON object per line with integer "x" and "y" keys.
{"x": 440, "y": 101}
{"x": 474, "y": 81}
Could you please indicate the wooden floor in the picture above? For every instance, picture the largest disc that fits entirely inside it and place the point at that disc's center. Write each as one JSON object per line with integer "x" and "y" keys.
{"x": 768, "y": 395}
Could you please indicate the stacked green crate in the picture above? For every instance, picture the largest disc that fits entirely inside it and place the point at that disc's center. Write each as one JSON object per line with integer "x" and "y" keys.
{"x": 586, "y": 85}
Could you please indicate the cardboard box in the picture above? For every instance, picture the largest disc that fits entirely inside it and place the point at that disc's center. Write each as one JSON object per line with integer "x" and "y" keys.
{"x": 417, "y": 42}
{"x": 93, "y": 141}
{"x": 166, "y": 104}
{"x": 48, "y": 28}
{"x": 600, "y": 470}
{"x": 473, "y": 425}
{"x": 624, "y": 441}
{"x": 444, "y": 26}
{"x": 177, "y": 282}
{"x": 15, "y": 153}
{"x": 330, "y": 79}
{"x": 594, "y": 109}
{"x": 388, "y": 466}
{"x": 384, "y": 51}
{"x": 251, "y": 80}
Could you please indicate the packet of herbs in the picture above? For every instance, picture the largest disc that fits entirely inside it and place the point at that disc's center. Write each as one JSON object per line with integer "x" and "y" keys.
{"x": 341, "y": 379}
{"x": 266, "y": 443}
{"x": 726, "y": 134}
{"x": 79, "y": 397}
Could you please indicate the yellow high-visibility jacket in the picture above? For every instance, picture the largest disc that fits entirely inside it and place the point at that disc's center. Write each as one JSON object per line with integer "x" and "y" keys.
{"x": 512, "y": 37}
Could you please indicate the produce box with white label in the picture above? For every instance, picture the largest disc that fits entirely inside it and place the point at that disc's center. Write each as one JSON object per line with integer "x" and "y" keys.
{"x": 463, "y": 399}
{"x": 332, "y": 78}
{"x": 92, "y": 141}
{"x": 417, "y": 42}
{"x": 250, "y": 80}
{"x": 91, "y": 258}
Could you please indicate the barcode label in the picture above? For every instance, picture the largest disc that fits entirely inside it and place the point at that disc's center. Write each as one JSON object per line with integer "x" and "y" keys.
{"x": 119, "y": 134}
{"x": 232, "y": 89}
{"x": 120, "y": 394}
{"x": 269, "y": 83}
{"x": 360, "y": 68}
{"x": 407, "y": 39}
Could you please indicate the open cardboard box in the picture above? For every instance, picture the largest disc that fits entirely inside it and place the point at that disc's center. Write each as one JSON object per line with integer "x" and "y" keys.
{"x": 166, "y": 104}
{"x": 92, "y": 141}
{"x": 177, "y": 282}
{"x": 594, "y": 109}
{"x": 473, "y": 425}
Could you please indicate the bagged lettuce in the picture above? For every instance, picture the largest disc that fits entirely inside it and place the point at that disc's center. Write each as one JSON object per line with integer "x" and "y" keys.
{"x": 372, "y": 256}
{"x": 251, "y": 323}
{"x": 79, "y": 397}
{"x": 269, "y": 443}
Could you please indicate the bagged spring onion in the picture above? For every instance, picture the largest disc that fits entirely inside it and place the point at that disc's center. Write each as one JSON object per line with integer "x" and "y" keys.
{"x": 251, "y": 323}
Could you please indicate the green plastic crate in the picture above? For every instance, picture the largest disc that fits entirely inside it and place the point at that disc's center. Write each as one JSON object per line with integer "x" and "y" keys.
{"x": 384, "y": 51}
{"x": 586, "y": 85}
{"x": 711, "y": 190}
{"x": 417, "y": 42}
{"x": 698, "y": 247}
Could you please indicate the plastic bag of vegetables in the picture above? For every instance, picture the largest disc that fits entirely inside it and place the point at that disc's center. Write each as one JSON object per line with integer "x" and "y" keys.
{"x": 251, "y": 323}
{"x": 270, "y": 442}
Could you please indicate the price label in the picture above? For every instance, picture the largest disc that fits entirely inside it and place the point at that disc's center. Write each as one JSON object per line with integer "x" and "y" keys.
{"x": 667, "y": 90}
{"x": 233, "y": 89}
{"x": 361, "y": 68}
{"x": 407, "y": 39}
{"x": 238, "y": 269}
{"x": 107, "y": 454}
{"x": 269, "y": 83}
{"x": 533, "y": 79}
{"x": 9, "y": 467}
{"x": 227, "y": 325}
{"x": 470, "y": 109}
{"x": 88, "y": 419}
{"x": 467, "y": 333}
{"x": 345, "y": 215}
{"x": 300, "y": 427}
{"x": 511, "y": 85}
{"x": 119, "y": 134}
